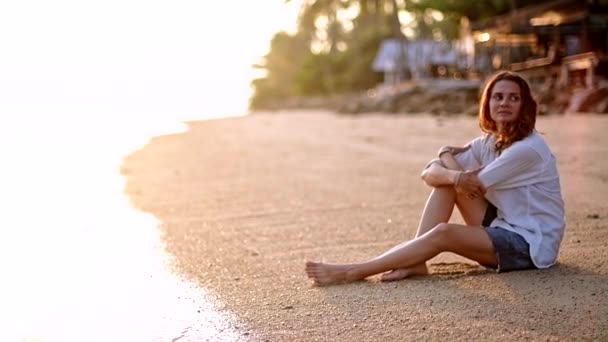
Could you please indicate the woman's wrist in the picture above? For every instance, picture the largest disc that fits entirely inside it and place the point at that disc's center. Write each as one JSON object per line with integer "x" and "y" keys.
{"x": 457, "y": 176}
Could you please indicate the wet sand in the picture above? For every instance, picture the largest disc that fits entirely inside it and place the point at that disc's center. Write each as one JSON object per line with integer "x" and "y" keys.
{"x": 244, "y": 202}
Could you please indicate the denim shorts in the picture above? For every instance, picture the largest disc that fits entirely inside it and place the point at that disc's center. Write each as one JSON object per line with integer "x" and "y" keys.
{"x": 512, "y": 250}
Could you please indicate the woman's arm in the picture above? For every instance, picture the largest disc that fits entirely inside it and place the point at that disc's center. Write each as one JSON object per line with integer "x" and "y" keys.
{"x": 438, "y": 175}
{"x": 447, "y": 171}
{"x": 446, "y": 155}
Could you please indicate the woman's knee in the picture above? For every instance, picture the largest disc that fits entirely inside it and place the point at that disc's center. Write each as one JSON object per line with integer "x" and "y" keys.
{"x": 440, "y": 234}
{"x": 445, "y": 189}
{"x": 442, "y": 229}
{"x": 446, "y": 193}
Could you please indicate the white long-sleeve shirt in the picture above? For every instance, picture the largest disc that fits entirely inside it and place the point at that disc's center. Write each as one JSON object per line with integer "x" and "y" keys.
{"x": 523, "y": 183}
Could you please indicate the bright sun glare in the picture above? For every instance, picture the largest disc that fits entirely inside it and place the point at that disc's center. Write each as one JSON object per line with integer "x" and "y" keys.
{"x": 82, "y": 84}
{"x": 135, "y": 55}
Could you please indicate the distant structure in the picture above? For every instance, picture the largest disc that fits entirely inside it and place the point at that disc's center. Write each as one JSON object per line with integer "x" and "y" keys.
{"x": 563, "y": 39}
{"x": 558, "y": 45}
{"x": 419, "y": 58}
{"x": 561, "y": 43}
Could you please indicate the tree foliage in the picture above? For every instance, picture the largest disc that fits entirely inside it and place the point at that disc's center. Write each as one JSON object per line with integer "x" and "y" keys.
{"x": 285, "y": 59}
{"x": 474, "y": 10}
{"x": 337, "y": 40}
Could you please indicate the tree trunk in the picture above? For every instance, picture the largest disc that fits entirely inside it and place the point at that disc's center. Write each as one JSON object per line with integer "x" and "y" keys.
{"x": 401, "y": 65}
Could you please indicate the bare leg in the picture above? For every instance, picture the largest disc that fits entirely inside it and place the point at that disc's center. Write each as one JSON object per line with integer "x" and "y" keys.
{"x": 438, "y": 209}
{"x": 468, "y": 241}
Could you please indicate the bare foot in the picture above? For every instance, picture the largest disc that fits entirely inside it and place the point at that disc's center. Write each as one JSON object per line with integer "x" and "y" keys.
{"x": 402, "y": 273}
{"x": 326, "y": 274}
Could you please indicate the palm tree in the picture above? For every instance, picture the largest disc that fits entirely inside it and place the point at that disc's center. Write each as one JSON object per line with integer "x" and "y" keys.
{"x": 378, "y": 13}
{"x": 312, "y": 10}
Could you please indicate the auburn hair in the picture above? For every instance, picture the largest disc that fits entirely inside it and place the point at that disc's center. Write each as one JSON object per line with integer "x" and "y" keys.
{"x": 513, "y": 131}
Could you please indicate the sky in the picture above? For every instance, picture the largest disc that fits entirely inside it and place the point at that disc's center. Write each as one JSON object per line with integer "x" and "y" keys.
{"x": 134, "y": 56}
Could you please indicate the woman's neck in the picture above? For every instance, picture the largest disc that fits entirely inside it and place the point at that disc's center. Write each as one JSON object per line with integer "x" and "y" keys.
{"x": 499, "y": 128}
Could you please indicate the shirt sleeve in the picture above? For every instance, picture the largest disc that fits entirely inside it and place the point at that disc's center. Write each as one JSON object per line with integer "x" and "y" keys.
{"x": 516, "y": 166}
{"x": 469, "y": 159}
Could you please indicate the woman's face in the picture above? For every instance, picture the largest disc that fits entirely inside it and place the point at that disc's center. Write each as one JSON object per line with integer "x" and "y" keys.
{"x": 505, "y": 102}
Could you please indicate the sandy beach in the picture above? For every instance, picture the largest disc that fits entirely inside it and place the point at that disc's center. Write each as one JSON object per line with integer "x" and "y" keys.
{"x": 244, "y": 202}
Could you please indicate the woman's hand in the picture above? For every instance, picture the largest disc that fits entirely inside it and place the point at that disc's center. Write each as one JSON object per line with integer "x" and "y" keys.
{"x": 453, "y": 150}
{"x": 467, "y": 183}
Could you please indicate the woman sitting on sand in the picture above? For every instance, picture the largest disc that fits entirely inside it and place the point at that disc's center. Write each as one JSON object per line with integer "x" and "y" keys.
{"x": 504, "y": 183}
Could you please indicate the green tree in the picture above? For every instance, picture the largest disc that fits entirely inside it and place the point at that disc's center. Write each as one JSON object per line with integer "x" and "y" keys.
{"x": 337, "y": 40}
{"x": 331, "y": 53}
{"x": 474, "y": 10}
{"x": 285, "y": 57}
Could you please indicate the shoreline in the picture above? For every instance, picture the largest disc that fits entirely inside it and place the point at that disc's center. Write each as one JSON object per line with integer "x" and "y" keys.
{"x": 243, "y": 202}
{"x": 78, "y": 260}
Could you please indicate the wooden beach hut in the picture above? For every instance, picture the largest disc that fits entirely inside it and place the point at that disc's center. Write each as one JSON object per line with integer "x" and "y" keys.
{"x": 563, "y": 43}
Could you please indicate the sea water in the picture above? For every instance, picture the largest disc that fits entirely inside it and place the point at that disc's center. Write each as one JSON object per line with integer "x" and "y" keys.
{"x": 77, "y": 261}
{"x": 83, "y": 84}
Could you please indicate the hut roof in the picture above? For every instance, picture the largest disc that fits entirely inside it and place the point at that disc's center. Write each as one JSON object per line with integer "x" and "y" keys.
{"x": 409, "y": 52}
